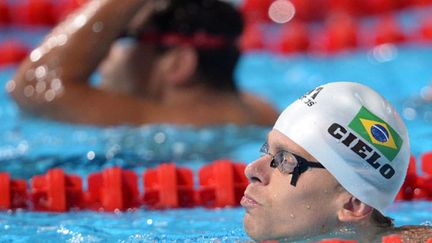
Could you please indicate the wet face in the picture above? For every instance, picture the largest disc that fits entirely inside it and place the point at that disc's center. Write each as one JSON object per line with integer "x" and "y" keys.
{"x": 277, "y": 210}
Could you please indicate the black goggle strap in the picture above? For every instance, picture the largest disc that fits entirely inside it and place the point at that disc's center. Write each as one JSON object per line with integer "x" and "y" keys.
{"x": 302, "y": 166}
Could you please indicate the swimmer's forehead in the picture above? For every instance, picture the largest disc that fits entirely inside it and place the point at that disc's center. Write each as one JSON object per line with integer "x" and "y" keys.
{"x": 278, "y": 141}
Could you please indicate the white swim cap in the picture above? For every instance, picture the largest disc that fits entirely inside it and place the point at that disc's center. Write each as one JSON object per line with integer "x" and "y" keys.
{"x": 356, "y": 134}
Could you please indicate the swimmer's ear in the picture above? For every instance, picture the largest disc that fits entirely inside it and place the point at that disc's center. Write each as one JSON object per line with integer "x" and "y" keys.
{"x": 182, "y": 65}
{"x": 354, "y": 210}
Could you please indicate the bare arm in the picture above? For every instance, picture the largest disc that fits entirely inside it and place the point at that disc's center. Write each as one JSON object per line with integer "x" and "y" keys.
{"x": 53, "y": 80}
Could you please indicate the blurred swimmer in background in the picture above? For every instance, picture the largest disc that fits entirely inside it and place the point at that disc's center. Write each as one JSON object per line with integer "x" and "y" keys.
{"x": 159, "y": 61}
{"x": 335, "y": 159}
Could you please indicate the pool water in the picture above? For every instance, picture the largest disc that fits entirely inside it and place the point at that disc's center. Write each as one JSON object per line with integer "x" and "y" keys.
{"x": 30, "y": 146}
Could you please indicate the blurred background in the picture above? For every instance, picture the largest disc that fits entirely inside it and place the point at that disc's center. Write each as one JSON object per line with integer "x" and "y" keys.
{"x": 289, "y": 47}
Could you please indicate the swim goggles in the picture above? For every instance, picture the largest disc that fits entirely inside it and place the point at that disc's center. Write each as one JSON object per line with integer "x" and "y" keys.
{"x": 289, "y": 163}
{"x": 199, "y": 40}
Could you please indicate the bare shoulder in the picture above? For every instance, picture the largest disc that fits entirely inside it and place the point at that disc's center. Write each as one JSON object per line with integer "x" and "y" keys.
{"x": 414, "y": 233}
{"x": 264, "y": 111}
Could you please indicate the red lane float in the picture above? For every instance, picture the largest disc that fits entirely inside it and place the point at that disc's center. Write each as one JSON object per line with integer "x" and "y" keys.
{"x": 112, "y": 189}
{"x": 407, "y": 190}
{"x": 340, "y": 34}
{"x": 34, "y": 13}
{"x": 418, "y": 187}
{"x": 13, "y": 193}
{"x": 256, "y": 10}
{"x": 222, "y": 183}
{"x": 4, "y": 13}
{"x": 375, "y": 7}
{"x": 252, "y": 38}
{"x": 294, "y": 38}
{"x": 426, "y": 160}
{"x": 56, "y": 191}
{"x": 350, "y": 7}
{"x": 12, "y": 52}
{"x": 168, "y": 187}
{"x": 66, "y": 7}
{"x": 421, "y": 3}
{"x": 40, "y": 12}
{"x": 388, "y": 30}
{"x": 425, "y": 181}
{"x": 392, "y": 239}
{"x": 426, "y": 30}
{"x": 315, "y": 10}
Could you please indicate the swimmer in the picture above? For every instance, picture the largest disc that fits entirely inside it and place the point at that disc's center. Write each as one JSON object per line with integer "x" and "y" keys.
{"x": 334, "y": 160}
{"x": 159, "y": 61}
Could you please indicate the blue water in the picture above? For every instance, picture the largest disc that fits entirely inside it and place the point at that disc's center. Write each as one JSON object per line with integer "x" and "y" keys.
{"x": 30, "y": 146}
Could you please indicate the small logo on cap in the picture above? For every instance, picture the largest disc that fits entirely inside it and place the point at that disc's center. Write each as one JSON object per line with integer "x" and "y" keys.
{"x": 376, "y": 131}
{"x": 309, "y": 97}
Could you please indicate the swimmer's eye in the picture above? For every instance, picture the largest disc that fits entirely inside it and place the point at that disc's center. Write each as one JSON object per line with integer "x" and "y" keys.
{"x": 289, "y": 163}
{"x": 285, "y": 162}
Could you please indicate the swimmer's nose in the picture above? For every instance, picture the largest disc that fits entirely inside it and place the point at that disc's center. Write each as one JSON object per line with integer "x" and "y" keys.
{"x": 259, "y": 170}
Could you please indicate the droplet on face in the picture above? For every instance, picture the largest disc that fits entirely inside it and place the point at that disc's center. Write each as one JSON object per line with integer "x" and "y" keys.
{"x": 292, "y": 216}
{"x": 308, "y": 206}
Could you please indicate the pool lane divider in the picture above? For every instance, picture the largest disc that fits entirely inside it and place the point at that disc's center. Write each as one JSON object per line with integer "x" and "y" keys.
{"x": 417, "y": 186}
{"x": 112, "y": 189}
{"x": 12, "y": 52}
{"x": 13, "y": 193}
{"x": 55, "y": 191}
{"x": 339, "y": 32}
{"x": 168, "y": 186}
{"x": 221, "y": 184}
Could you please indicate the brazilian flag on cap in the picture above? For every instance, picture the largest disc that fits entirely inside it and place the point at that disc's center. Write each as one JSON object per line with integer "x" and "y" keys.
{"x": 379, "y": 134}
